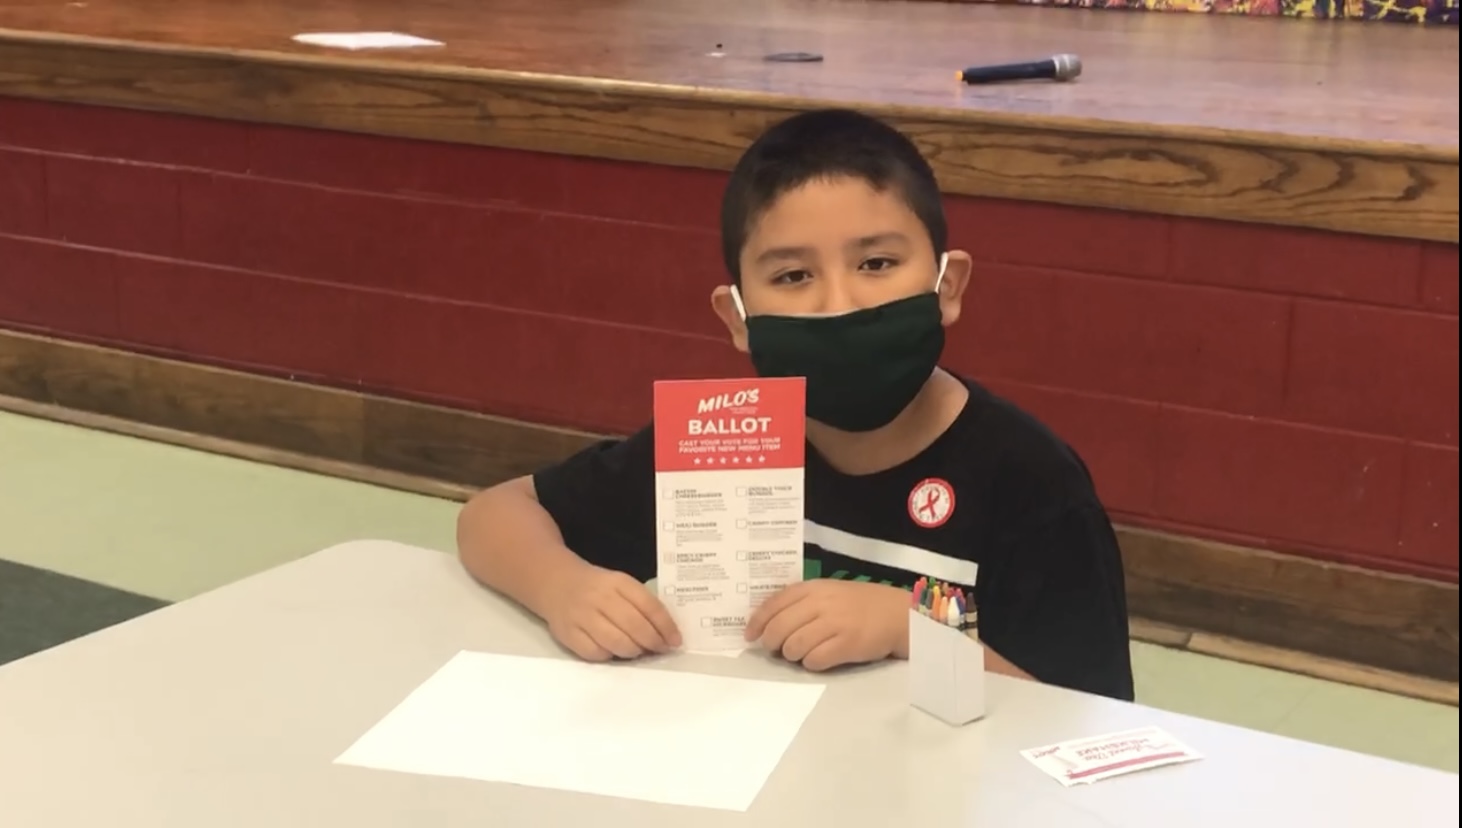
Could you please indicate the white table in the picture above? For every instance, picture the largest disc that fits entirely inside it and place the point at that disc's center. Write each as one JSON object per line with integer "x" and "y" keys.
{"x": 228, "y": 710}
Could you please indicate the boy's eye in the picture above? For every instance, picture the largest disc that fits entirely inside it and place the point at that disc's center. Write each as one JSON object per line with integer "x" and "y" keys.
{"x": 791, "y": 277}
{"x": 878, "y": 263}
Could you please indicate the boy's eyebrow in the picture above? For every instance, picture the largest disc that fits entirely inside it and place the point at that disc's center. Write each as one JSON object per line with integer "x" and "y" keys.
{"x": 878, "y": 240}
{"x": 776, "y": 254}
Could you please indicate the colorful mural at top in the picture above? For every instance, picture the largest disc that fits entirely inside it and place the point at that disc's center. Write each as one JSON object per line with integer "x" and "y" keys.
{"x": 1434, "y": 12}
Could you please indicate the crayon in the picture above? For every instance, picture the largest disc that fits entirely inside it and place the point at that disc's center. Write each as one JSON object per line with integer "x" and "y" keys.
{"x": 945, "y": 603}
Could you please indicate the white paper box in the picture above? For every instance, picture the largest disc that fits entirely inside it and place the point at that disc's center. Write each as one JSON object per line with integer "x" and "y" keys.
{"x": 946, "y": 671}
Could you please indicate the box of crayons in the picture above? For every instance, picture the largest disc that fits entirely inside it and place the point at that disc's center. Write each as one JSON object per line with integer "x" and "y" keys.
{"x": 946, "y": 660}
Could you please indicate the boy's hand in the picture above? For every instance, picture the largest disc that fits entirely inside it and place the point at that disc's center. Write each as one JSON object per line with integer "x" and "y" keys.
{"x": 825, "y": 623}
{"x": 600, "y": 614}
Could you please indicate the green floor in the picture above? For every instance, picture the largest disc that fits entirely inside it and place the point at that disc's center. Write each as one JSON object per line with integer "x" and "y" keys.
{"x": 160, "y": 524}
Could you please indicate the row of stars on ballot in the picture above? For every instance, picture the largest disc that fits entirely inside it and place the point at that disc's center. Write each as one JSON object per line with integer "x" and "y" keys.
{"x": 734, "y": 460}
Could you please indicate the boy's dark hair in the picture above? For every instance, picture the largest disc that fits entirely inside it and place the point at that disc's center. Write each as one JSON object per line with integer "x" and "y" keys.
{"x": 826, "y": 143}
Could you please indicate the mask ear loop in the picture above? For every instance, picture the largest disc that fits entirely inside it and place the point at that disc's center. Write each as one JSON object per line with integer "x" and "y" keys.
{"x": 938, "y": 280}
{"x": 736, "y": 298}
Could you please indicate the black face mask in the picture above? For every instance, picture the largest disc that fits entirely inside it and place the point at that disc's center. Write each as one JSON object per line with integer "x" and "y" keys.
{"x": 862, "y": 368}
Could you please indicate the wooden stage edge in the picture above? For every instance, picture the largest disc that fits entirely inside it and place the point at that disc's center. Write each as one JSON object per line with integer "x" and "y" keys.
{"x": 1390, "y": 632}
{"x": 1374, "y": 188}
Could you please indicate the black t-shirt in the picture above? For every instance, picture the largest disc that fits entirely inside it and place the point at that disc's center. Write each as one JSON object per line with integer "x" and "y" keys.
{"x": 997, "y": 504}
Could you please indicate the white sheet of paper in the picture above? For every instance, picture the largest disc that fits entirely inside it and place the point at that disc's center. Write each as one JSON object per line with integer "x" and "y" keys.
{"x": 364, "y": 40}
{"x": 612, "y": 729}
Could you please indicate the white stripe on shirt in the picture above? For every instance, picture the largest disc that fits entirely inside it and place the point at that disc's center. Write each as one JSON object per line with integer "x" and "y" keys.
{"x": 910, "y": 559}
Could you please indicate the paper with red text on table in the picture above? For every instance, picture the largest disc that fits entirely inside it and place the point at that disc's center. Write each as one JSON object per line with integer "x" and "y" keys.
{"x": 729, "y": 458}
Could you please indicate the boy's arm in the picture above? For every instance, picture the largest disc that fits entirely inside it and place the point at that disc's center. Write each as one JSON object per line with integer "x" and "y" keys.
{"x": 1053, "y": 603}
{"x": 509, "y": 542}
{"x": 526, "y": 537}
{"x": 996, "y": 663}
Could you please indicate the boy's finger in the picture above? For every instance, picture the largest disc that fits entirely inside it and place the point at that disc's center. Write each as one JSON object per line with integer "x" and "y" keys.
{"x": 654, "y": 612}
{"x": 784, "y": 624}
{"x": 806, "y": 638}
{"x": 757, "y": 624}
{"x": 581, "y": 645}
{"x": 827, "y": 655}
{"x": 633, "y": 623}
{"x": 608, "y": 635}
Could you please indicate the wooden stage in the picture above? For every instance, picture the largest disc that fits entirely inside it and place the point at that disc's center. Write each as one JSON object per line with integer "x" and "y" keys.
{"x": 1223, "y": 264}
{"x": 1304, "y": 123}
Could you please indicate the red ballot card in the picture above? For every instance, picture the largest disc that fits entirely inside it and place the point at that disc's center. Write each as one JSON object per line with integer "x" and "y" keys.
{"x": 728, "y": 469}
{"x": 734, "y": 424}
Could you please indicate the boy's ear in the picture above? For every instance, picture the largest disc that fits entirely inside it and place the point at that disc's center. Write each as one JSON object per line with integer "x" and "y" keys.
{"x": 725, "y": 308}
{"x": 952, "y": 287}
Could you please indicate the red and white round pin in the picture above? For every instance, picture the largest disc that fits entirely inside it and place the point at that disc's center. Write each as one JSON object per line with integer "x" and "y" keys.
{"x": 931, "y": 502}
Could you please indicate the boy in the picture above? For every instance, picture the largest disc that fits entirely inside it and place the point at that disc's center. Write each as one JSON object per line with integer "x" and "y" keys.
{"x": 834, "y": 237}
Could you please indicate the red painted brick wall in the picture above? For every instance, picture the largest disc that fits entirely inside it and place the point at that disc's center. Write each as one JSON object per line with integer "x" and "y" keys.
{"x": 1284, "y": 388}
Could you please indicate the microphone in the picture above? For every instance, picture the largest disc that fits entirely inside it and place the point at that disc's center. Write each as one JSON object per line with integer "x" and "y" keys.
{"x": 1057, "y": 68}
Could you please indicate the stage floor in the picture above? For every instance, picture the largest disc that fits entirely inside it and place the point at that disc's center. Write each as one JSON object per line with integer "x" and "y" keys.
{"x": 1219, "y": 76}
